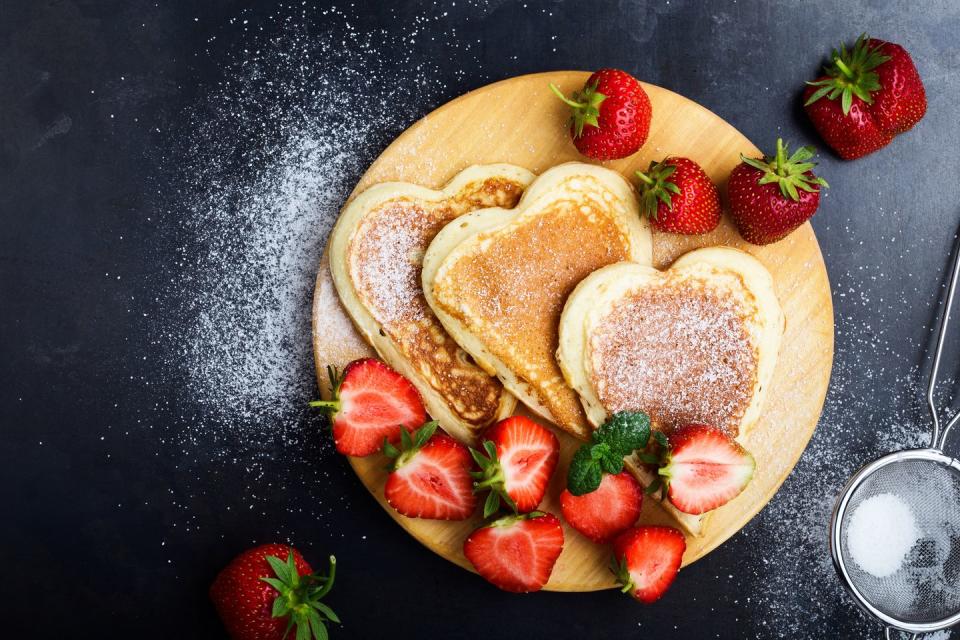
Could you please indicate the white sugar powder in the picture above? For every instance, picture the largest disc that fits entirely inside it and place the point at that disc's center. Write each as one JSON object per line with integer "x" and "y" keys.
{"x": 881, "y": 532}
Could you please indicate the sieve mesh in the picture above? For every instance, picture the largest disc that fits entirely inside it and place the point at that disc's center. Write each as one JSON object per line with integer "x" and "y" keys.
{"x": 926, "y": 587}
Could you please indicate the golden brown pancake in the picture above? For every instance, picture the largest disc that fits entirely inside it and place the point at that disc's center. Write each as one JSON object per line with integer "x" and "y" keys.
{"x": 498, "y": 280}
{"x": 376, "y": 253}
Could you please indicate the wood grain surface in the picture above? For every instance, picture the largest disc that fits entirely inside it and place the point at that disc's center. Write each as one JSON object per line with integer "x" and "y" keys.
{"x": 521, "y": 122}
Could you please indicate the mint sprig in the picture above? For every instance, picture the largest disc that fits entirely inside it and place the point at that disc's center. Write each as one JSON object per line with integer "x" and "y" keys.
{"x": 622, "y": 434}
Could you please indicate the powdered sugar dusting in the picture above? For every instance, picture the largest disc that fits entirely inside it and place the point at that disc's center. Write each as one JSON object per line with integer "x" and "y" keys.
{"x": 683, "y": 357}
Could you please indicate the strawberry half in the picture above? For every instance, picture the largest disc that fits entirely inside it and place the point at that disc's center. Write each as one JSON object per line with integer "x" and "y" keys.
{"x": 268, "y": 591}
{"x": 430, "y": 476}
{"x": 370, "y": 402}
{"x": 602, "y": 514}
{"x": 520, "y": 458}
{"x": 679, "y": 197}
{"x": 611, "y": 115}
{"x": 703, "y": 468}
{"x": 516, "y": 553}
{"x": 772, "y": 196}
{"x": 866, "y": 97}
{"x": 646, "y": 560}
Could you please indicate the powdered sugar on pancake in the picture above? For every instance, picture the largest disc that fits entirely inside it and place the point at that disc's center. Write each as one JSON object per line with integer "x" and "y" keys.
{"x": 681, "y": 356}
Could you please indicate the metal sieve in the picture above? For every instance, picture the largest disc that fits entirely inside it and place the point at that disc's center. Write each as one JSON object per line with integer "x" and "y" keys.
{"x": 922, "y": 595}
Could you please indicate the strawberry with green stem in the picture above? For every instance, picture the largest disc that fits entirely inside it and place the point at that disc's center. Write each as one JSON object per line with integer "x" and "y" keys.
{"x": 370, "y": 402}
{"x": 678, "y": 196}
{"x": 611, "y": 115}
{"x": 868, "y": 95}
{"x": 516, "y": 463}
{"x": 259, "y": 596}
{"x": 771, "y": 196}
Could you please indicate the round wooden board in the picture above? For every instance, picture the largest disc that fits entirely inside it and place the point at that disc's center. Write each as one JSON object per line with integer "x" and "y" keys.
{"x": 521, "y": 122}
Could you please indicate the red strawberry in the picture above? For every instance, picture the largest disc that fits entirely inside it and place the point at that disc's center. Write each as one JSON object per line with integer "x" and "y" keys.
{"x": 430, "y": 476}
{"x": 646, "y": 560}
{"x": 520, "y": 458}
{"x": 371, "y": 402}
{"x": 703, "y": 468}
{"x": 872, "y": 93}
{"x": 516, "y": 553}
{"x": 600, "y": 515}
{"x": 770, "y": 197}
{"x": 611, "y": 115}
{"x": 270, "y": 590}
{"x": 679, "y": 197}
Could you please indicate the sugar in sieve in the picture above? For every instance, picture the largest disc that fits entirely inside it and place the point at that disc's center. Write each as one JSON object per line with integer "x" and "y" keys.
{"x": 895, "y": 529}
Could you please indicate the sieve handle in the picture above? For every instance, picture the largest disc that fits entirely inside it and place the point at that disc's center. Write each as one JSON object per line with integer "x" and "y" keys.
{"x": 939, "y": 437}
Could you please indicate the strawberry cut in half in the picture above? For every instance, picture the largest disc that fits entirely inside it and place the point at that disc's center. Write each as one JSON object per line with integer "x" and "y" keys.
{"x": 602, "y": 514}
{"x": 517, "y": 552}
{"x": 430, "y": 476}
{"x": 646, "y": 560}
{"x": 370, "y": 402}
{"x": 518, "y": 458}
{"x": 703, "y": 468}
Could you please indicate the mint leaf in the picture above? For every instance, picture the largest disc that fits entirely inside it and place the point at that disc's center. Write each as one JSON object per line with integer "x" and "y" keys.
{"x": 624, "y": 432}
{"x": 610, "y": 461}
{"x": 584, "y": 473}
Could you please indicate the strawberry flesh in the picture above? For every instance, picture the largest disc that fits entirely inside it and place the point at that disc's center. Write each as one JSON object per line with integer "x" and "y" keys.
{"x": 706, "y": 469}
{"x": 516, "y": 553}
{"x": 526, "y": 456}
{"x": 372, "y": 402}
{"x": 602, "y": 514}
{"x": 434, "y": 482}
{"x": 647, "y": 559}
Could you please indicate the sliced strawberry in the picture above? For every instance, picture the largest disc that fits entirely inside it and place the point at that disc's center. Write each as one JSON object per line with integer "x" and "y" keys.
{"x": 520, "y": 458}
{"x": 516, "y": 553}
{"x": 371, "y": 402}
{"x": 602, "y": 514}
{"x": 704, "y": 469}
{"x": 646, "y": 559}
{"x": 430, "y": 476}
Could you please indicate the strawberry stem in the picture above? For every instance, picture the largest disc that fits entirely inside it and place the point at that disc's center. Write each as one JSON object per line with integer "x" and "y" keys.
{"x": 850, "y": 73}
{"x": 789, "y": 172}
{"x": 325, "y": 404}
{"x": 559, "y": 94}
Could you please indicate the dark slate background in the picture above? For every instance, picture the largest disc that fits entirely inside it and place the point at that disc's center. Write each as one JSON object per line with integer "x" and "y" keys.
{"x": 116, "y": 517}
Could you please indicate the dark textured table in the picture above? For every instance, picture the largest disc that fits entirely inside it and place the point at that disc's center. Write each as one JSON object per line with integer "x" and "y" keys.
{"x": 168, "y": 175}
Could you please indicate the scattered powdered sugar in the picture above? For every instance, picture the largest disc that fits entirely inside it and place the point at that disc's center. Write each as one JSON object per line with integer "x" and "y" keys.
{"x": 881, "y": 532}
{"x": 270, "y": 156}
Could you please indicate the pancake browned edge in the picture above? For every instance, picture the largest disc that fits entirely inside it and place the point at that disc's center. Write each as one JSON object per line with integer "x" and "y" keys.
{"x": 497, "y": 279}
{"x": 696, "y": 343}
{"x": 376, "y": 251}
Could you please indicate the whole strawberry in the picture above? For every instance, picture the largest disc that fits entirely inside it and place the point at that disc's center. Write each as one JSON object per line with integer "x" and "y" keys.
{"x": 867, "y": 96}
{"x": 678, "y": 196}
{"x": 268, "y": 592}
{"x": 770, "y": 197}
{"x": 611, "y": 115}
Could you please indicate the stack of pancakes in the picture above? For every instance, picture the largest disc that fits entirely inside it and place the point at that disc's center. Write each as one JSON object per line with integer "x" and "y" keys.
{"x": 505, "y": 286}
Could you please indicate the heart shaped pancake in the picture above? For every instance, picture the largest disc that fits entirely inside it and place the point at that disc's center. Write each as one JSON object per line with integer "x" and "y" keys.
{"x": 498, "y": 278}
{"x": 376, "y": 252}
{"x": 695, "y": 343}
